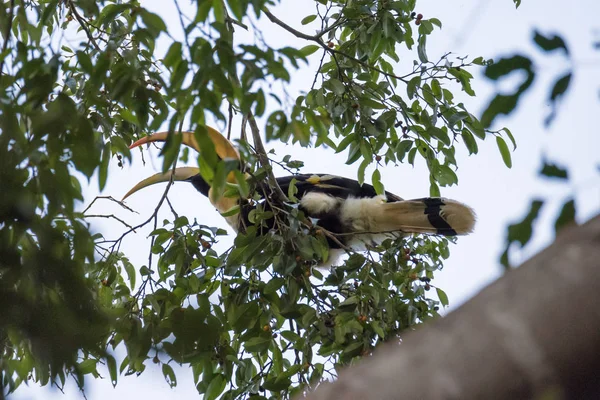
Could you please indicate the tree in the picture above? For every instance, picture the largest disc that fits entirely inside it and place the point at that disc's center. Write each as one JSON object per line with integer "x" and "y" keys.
{"x": 258, "y": 318}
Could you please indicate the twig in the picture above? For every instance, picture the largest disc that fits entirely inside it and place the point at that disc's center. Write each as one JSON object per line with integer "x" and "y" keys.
{"x": 232, "y": 21}
{"x": 155, "y": 213}
{"x": 122, "y": 204}
{"x": 109, "y": 216}
{"x": 264, "y": 160}
{"x": 317, "y": 39}
{"x": 83, "y": 25}
{"x": 172, "y": 209}
{"x": 230, "y": 121}
{"x": 297, "y": 33}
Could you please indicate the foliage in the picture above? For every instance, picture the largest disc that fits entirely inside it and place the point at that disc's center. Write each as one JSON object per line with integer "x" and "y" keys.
{"x": 520, "y": 233}
{"x": 259, "y": 318}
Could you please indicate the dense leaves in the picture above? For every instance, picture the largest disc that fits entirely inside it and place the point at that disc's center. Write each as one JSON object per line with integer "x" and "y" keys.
{"x": 259, "y": 318}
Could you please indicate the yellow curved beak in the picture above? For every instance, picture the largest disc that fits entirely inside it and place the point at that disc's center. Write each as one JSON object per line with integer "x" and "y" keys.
{"x": 223, "y": 147}
{"x": 178, "y": 174}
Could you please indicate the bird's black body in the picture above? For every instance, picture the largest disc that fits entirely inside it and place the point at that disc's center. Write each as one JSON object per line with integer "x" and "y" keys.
{"x": 339, "y": 189}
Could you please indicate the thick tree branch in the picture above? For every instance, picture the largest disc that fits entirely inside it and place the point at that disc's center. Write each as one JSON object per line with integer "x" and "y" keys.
{"x": 534, "y": 333}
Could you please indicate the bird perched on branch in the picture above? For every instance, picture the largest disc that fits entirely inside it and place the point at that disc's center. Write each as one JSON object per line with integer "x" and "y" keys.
{"x": 352, "y": 214}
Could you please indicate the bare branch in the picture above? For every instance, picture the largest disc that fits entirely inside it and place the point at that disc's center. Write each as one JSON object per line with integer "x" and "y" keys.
{"x": 110, "y": 217}
{"x": 122, "y": 204}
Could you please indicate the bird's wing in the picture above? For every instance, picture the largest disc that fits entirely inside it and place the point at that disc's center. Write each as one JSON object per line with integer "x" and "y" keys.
{"x": 332, "y": 185}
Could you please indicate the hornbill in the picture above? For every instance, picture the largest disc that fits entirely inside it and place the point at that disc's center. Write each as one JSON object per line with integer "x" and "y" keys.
{"x": 352, "y": 213}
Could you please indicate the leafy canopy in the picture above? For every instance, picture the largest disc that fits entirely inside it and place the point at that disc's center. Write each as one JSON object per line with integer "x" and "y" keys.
{"x": 257, "y": 318}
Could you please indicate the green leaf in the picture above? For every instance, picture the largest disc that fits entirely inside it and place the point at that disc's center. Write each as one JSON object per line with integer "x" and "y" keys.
{"x": 130, "y": 270}
{"x": 258, "y": 344}
{"x": 550, "y": 43}
{"x": 469, "y": 140}
{"x": 170, "y": 151}
{"x": 558, "y": 90}
{"x": 337, "y": 86}
{"x": 560, "y": 86}
{"x": 440, "y": 135}
{"x": 421, "y": 50}
{"x": 376, "y": 178}
{"x": 506, "y": 103}
{"x": 169, "y": 375}
{"x": 173, "y": 56}
{"x": 232, "y": 211}
{"x": 103, "y": 170}
{"x": 442, "y": 296}
{"x": 309, "y": 49}
{"x": 412, "y": 86}
{"x": 522, "y": 231}
{"x": 308, "y": 19}
{"x": 277, "y": 383}
{"x": 243, "y": 186}
{"x": 445, "y": 176}
{"x": 224, "y": 167}
{"x": 153, "y": 22}
{"x": 402, "y": 148}
{"x": 274, "y": 285}
{"x": 361, "y": 171}
{"x": 504, "y": 152}
{"x": 111, "y": 364}
{"x": 510, "y": 136}
{"x": 215, "y": 387}
{"x": 566, "y": 216}
{"x": 554, "y": 171}
{"x": 88, "y": 366}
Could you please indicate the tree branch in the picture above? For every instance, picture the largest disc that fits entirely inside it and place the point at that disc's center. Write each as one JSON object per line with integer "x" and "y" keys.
{"x": 317, "y": 39}
{"x": 264, "y": 160}
{"x": 83, "y": 25}
{"x": 534, "y": 333}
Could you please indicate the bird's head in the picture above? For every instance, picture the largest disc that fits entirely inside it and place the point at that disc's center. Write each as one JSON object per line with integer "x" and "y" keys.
{"x": 223, "y": 148}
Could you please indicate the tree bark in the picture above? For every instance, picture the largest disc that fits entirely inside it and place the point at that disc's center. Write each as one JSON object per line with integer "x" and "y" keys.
{"x": 534, "y": 333}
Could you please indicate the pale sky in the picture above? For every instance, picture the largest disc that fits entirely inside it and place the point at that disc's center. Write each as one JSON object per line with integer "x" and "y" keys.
{"x": 499, "y": 195}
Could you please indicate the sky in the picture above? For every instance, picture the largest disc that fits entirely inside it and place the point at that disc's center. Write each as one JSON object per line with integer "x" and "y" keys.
{"x": 498, "y": 194}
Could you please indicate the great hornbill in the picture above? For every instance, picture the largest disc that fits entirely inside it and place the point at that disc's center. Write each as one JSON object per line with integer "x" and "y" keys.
{"x": 354, "y": 214}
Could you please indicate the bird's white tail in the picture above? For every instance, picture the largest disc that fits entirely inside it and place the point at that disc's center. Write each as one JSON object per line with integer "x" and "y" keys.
{"x": 428, "y": 215}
